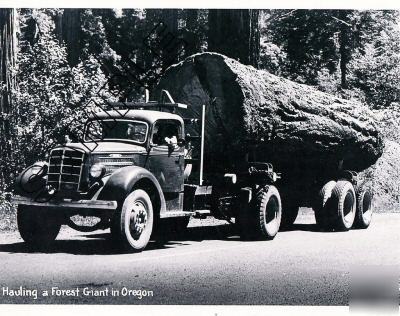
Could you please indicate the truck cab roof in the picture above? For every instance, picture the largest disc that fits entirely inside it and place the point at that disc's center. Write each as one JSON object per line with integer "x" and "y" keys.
{"x": 149, "y": 116}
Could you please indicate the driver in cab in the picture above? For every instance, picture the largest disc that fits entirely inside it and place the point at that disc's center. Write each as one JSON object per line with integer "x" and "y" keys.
{"x": 166, "y": 135}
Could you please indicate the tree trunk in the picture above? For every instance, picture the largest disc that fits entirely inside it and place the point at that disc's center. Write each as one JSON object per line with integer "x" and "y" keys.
{"x": 7, "y": 85}
{"x": 68, "y": 29}
{"x": 252, "y": 113}
{"x": 254, "y": 45}
{"x": 236, "y": 34}
{"x": 191, "y": 34}
{"x": 344, "y": 48}
{"x": 168, "y": 41}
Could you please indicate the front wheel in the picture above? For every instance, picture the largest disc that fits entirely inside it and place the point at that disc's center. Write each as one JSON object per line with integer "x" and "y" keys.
{"x": 134, "y": 221}
{"x": 38, "y": 227}
{"x": 263, "y": 217}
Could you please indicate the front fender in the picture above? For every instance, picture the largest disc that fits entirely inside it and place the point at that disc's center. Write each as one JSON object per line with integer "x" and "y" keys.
{"x": 122, "y": 181}
{"x": 32, "y": 180}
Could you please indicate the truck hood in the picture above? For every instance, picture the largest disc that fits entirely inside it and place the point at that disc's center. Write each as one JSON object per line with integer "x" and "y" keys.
{"x": 108, "y": 147}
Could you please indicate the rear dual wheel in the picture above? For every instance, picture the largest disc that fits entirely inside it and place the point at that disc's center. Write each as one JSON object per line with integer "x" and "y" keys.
{"x": 364, "y": 208}
{"x": 262, "y": 217}
{"x": 342, "y": 210}
{"x": 336, "y": 206}
{"x": 340, "y": 207}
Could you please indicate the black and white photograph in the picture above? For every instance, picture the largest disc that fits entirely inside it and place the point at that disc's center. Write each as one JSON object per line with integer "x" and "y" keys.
{"x": 200, "y": 157}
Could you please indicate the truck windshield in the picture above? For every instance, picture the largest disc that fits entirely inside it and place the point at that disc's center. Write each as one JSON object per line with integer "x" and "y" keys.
{"x": 110, "y": 129}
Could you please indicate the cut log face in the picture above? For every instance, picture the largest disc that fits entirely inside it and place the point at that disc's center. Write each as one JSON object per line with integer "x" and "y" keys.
{"x": 256, "y": 115}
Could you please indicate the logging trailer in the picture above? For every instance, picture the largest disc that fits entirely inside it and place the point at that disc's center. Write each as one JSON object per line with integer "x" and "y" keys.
{"x": 139, "y": 173}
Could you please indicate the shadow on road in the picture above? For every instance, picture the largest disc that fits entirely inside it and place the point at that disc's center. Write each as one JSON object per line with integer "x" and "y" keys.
{"x": 102, "y": 244}
{"x": 303, "y": 227}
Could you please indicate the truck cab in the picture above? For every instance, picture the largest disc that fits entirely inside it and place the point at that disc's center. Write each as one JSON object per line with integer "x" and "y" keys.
{"x": 149, "y": 139}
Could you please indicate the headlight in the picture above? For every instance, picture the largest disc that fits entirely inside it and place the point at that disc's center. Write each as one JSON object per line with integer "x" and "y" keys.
{"x": 97, "y": 171}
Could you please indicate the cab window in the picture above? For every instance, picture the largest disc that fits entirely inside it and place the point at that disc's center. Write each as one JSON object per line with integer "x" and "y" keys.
{"x": 166, "y": 132}
{"x": 135, "y": 131}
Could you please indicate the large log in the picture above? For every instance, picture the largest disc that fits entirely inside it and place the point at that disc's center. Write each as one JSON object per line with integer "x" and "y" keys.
{"x": 249, "y": 111}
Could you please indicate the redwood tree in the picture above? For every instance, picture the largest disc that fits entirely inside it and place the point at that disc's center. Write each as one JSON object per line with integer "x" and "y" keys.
{"x": 7, "y": 85}
{"x": 236, "y": 34}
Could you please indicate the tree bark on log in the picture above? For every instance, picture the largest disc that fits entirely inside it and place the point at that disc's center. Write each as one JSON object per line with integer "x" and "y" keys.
{"x": 252, "y": 114}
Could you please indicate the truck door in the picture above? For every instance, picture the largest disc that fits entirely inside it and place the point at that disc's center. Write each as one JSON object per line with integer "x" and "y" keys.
{"x": 166, "y": 158}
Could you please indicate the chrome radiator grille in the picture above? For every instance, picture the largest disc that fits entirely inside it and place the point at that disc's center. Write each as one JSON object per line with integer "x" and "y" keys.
{"x": 65, "y": 168}
{"x": 114, "y": 163}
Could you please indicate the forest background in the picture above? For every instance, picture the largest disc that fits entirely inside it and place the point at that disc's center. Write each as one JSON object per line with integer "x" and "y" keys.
{"x": 55, "y": 63}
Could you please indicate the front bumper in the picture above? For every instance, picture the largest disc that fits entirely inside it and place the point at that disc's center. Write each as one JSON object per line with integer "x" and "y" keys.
{"x": 67, "y": 203}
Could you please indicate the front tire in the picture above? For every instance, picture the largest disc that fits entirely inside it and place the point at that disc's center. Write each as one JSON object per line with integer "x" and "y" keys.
{"x": 38, "y": 227}
{"x": 134, "y": 221}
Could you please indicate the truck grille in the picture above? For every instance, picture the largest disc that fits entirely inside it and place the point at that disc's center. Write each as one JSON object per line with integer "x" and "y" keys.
{"x": 65, "y": 168}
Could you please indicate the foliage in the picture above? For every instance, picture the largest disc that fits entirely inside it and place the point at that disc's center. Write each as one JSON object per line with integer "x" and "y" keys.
{"x": 51, "y": 95}
{"x": 383, "y": 176}
{"x": 307, "y": 37}
{"x": 272, "y": 57}
{"x": 8, "y": 220}
{"x": 94, "y": 38}
{"x": 344, "y": 52}
{"x": 376, "y": 70}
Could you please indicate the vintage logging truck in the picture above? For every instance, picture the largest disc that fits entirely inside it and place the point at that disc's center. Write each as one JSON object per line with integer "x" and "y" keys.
{"x": 138, "y": 172}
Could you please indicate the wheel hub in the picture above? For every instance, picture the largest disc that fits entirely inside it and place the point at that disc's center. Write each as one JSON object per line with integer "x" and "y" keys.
{"x": 138, "y": 219}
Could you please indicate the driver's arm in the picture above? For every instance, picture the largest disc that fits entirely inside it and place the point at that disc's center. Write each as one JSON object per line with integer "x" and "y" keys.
{"x": 171, "y": 140}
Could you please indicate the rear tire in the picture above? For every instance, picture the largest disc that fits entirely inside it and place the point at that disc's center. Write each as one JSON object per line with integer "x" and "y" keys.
{"x": 38, "y": 227}
{"x": 320, "y": 208}
{"x": 364, "y": 208}
{"x": 342, "y": 210}
{"x": 133, "y": 223}
{"x": 263, "y": 217}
